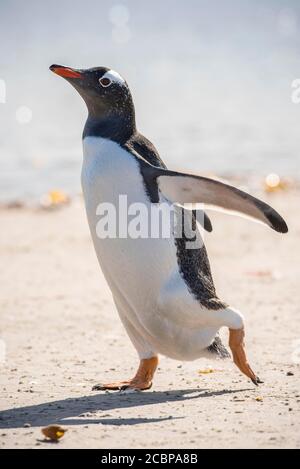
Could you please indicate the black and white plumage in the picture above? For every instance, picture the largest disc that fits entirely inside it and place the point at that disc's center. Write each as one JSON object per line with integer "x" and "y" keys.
{"x": 163, "y": 291}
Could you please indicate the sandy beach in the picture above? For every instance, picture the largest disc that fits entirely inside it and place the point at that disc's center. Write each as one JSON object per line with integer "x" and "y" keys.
{"x": 60, "y": 335}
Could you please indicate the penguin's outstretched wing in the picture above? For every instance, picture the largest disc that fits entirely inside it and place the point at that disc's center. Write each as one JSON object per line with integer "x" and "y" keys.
{"x": 184, "y": 188}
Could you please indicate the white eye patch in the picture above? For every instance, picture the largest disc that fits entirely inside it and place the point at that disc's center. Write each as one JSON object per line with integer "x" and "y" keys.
{"x": 111, "y": 77}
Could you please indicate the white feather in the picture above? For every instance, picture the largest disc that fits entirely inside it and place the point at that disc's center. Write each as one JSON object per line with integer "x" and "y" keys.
{"x": 154, "y": 303}
{"x": 114, "y": 77}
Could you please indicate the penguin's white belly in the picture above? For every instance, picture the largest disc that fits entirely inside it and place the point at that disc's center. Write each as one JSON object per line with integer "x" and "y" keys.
{"x": 153, "y": 300}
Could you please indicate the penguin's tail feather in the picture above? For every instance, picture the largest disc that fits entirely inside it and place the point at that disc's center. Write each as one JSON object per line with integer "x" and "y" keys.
{"x": 218, "y": 349}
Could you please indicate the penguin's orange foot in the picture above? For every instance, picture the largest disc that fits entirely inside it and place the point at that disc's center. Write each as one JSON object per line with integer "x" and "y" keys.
{"x": 141, "y": 381}
{"x": 117, "y": 386}
{"x": 237, "y": 346}
{"x": 123, "y": 385}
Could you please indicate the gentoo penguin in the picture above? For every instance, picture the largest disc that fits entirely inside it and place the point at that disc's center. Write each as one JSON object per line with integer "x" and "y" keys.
{"x": 162, "y": 288}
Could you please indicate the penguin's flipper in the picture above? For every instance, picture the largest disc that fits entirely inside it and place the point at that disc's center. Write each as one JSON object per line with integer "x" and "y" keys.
{"x": 184, "y": 188}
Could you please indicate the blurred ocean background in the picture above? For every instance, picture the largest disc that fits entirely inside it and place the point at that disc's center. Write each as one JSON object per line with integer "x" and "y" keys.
{"x": 211, "y": 81}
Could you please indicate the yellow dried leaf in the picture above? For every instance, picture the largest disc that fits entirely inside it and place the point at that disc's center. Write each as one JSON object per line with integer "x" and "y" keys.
{"x": 205, "y": 371}
{"x": 54, "y": 198}
{"x": 57, "y": 197}
{"x": 259, "y": 399}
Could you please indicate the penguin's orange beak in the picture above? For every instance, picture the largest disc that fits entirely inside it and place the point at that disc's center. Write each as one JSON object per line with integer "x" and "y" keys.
{"x": 65, "y": 72}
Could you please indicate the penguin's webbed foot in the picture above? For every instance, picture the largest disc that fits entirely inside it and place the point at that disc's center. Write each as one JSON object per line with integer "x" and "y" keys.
{"x": 141, "y": 381}
{"x": 123, "y": 385}
{"x": 237, "y": 346}
{"x": 117, "y": 386}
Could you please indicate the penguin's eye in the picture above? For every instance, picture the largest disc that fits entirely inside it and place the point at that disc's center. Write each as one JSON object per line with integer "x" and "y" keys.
{"x": 105, "y": 82}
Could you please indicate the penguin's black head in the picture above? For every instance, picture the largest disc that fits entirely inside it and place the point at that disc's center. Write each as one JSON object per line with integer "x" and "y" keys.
{"x": 104, "y": 91}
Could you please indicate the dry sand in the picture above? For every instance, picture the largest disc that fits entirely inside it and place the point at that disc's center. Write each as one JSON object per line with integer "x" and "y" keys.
{"x": 62, "y": 335}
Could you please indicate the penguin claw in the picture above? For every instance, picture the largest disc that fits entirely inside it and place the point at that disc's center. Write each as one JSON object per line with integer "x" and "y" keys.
{"x": 256, "y": 381}
{"x": 123, "y": 388}
{"x": 97, "y": 387}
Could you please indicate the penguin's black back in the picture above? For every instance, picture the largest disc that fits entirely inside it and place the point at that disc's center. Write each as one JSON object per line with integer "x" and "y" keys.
{"x": 146, "y": 149}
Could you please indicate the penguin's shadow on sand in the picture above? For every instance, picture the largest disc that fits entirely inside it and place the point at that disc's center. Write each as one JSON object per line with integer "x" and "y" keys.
{"x": 79, "y": 411}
